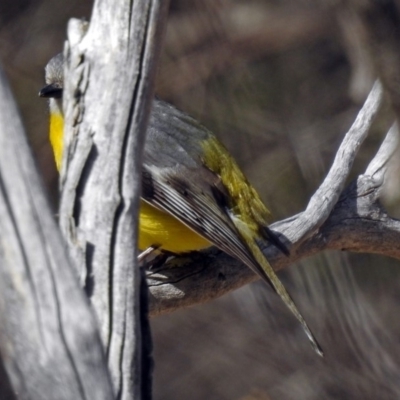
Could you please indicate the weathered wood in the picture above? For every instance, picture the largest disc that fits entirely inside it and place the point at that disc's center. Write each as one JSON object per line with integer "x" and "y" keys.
{"x": 49, "y": 340}
{"x": 324, "y": 199}
{"x": 111, "y": 66}
{"x": 361, "y": 225}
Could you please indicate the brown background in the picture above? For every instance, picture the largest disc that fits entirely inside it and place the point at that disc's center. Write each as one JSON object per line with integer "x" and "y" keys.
{"x": 280, "y": 83}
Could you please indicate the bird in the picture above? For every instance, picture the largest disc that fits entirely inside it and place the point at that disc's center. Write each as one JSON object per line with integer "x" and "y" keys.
{"x": 194, "y": 194}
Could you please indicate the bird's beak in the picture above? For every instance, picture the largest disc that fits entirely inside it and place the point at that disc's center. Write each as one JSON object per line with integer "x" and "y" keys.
{"x": 51, "y": 91}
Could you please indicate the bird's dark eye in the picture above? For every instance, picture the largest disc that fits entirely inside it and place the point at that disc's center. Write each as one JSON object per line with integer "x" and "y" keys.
{"x": 51, "y": 91}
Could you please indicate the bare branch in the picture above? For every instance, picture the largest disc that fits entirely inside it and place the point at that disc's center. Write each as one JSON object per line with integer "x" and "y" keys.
{"x": 325, "y": 198}
{"x": 356, "y": 223}
{"x": 107, "y": 106}
{"x": 49, "y": 341}
{"x": 377, "y": 167}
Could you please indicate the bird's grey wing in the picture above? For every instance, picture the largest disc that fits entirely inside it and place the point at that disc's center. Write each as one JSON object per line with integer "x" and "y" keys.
{"x": 175, "y": 180}
{"x": 174, "y": 191}
{"x": 173, "y": 138}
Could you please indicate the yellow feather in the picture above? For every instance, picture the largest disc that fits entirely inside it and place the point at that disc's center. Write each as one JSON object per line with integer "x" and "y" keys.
{"x": 156, "y": 227}
{"x": 56, "y": 136}
{"x": 246, "y": 204}
{"x": 247, "y": 211}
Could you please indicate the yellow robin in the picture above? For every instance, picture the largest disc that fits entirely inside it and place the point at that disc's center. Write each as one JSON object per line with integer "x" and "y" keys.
{"x": 194, "y": 195}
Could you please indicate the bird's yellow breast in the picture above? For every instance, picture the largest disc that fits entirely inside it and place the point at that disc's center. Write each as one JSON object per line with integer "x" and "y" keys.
{"x": 56, "y": 136}
{"x": 156, "y": 227}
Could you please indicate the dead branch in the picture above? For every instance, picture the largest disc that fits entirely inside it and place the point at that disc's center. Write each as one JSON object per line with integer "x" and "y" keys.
{"x": 350, "y": 220}
{"x": 105, "y": 132}
{"x": 49, "y": 341}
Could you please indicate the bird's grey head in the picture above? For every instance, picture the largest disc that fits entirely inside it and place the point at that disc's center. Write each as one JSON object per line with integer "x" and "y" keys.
{"x": 54, "y": 75}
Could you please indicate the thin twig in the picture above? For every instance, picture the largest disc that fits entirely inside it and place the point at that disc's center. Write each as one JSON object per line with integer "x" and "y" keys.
{"x": 326, "y": 196}
{"x": 377, "y": 167}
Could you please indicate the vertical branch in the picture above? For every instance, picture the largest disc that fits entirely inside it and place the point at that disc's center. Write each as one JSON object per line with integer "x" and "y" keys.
{"x": 48, "y": 338}
{"x": 108, "y": 94}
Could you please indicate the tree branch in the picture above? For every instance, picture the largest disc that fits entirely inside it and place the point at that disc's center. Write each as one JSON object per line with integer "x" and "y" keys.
{"x": 49, "y": 341}
{"x": 355, "y": 222}
{"x": 324, "y": 199}
{"x": 110, "y": 68}
{"x": 378, "y": 166}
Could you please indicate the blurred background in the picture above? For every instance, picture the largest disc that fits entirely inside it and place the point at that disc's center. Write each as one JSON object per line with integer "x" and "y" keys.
{"x": 280, "y": 82}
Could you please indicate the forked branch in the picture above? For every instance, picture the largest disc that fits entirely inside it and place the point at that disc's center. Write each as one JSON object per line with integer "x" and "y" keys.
{"x": 350, "y": 219}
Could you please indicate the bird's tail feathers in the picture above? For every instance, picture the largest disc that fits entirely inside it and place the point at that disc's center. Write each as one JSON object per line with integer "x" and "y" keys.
{"x": 262, "y": 267}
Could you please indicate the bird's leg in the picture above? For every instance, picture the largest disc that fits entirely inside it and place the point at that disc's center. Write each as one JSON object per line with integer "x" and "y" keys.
{"x": 144, "y": 254}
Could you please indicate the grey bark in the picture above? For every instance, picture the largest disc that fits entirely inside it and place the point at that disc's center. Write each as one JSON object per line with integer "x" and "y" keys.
{"x": 49, "y": 340}
{"x": 50, "y": 343}
{"x": 110, "y": 69}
